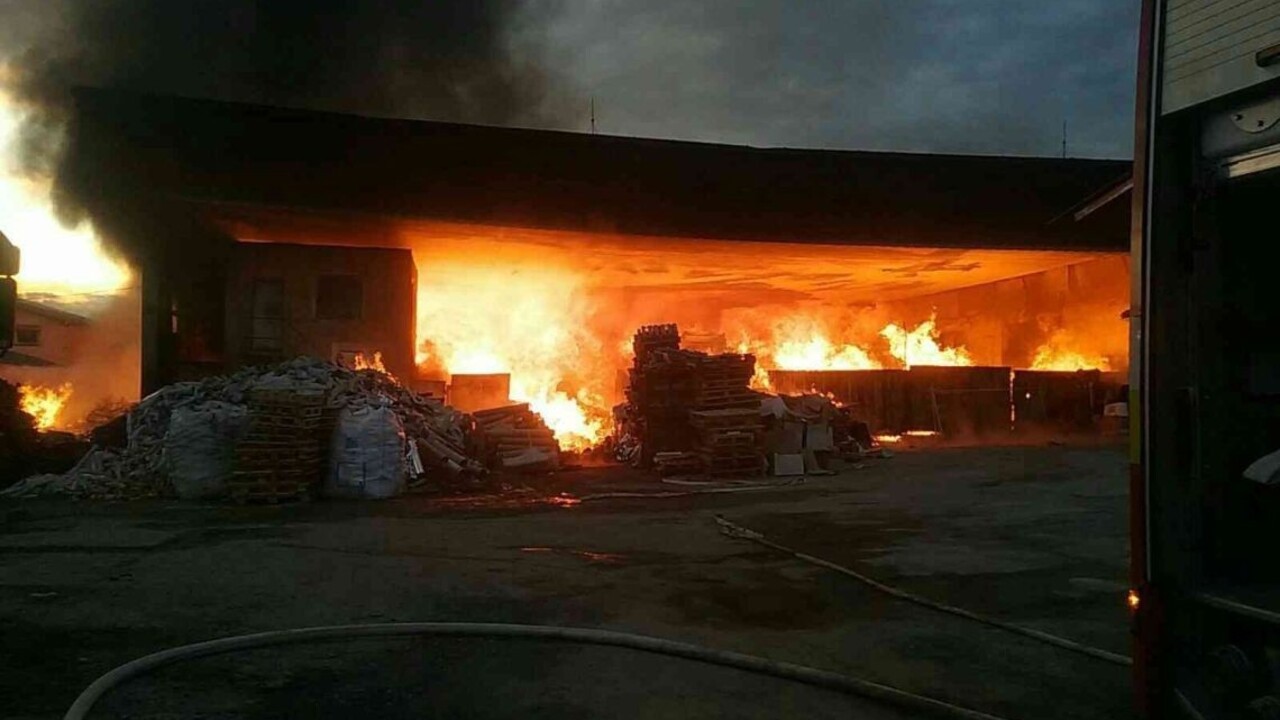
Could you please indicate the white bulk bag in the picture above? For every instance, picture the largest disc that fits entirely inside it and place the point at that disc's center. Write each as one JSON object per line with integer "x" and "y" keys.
{"x": 367, "y": 454}
{"x": 199, "y": 448}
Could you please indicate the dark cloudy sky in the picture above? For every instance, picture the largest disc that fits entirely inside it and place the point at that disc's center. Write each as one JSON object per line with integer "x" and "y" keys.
{"x": 970, "y": 76}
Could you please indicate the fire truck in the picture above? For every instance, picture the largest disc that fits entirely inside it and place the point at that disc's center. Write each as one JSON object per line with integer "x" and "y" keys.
{"x": 1205, "y": 371}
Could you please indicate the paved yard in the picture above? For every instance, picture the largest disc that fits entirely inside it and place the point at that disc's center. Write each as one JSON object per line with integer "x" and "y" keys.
{"x": 1032, "y": 535}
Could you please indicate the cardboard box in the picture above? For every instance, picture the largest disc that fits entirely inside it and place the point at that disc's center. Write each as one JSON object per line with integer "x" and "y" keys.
{"x": 818, "y": 436}
{"x": 786, "y": 464}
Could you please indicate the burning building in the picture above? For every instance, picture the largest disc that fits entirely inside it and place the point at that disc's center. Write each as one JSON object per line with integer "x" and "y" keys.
{"x": 349, "y": 304}
{"x": 48, "y": 341}
{"x": 468, "y": 250}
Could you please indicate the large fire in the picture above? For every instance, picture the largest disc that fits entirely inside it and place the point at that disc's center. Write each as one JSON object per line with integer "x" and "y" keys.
{"x": 1059, "y": 353}
{"x": 803, "y": 342}
{"x": 557, "y": 320}
{"x": 531, "y": 323}
{"x": 55, "y": 259}
{"x": 44, "y": 404}
{"x": 69, "y": 263}
{"x": 921, "y": 346}
{"x": 800, "y": 343}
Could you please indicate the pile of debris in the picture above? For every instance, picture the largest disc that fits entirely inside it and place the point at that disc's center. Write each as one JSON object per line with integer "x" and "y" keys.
{"x": 434, "y": 434}
{"x": 688, "y": 411}
{"x": 513, "y": 437}
{"x": 809, "y": 433}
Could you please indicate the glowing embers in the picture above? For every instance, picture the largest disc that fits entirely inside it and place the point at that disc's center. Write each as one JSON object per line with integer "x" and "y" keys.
{"x": 893, "y": 439}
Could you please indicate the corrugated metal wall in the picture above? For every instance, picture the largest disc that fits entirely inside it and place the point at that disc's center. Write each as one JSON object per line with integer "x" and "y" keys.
{"x": 1209, "y": 48}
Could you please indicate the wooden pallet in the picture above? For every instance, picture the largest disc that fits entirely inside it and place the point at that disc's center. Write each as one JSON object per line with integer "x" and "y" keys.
{"x": 729, "y": 403}
{"x": 723, "y": 418}
{"x": 280, "y": 456}
{"x": 729, "y": 446}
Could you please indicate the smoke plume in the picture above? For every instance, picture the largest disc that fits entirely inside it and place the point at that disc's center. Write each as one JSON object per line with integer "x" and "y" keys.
{"x": 451, "y": 60}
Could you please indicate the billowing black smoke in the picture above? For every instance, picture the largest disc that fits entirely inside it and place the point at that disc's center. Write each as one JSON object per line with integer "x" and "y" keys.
{"x": 434, "y": 59}
{"x": 452, "y": 60}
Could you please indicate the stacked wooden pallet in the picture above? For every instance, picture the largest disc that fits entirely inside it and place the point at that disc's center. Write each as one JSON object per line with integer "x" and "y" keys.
{"x": 692, "y": 410}
{"x": 722, "y": 382}
{"x": 515, "y": 438}
{"x": 661, "y": 384}
{"x": 651, "y": 338}
{"x": 728, "y": 440}
{"x": 279, "y": 457}
{"x": 677, "y": 463}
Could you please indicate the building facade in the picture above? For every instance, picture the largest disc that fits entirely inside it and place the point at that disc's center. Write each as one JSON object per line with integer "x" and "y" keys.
{"x": 46, "y": 336}
{"x": 287, "y": 300}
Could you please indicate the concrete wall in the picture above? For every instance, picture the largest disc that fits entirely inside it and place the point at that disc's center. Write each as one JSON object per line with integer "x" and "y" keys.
{"x": 1003, "y": 323}
{"x": 386, "y": 323}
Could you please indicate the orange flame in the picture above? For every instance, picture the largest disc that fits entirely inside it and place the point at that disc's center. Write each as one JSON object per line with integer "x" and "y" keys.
{"x": 55, "y": 258}
{"x": 43, "y": 403}
{"x": 500, "y": 317}
{"x": 374, "y": 363}
{"x": 1056, "y": 354}
{"x": 921, "y": 347}
{"x": 802, "y": 342}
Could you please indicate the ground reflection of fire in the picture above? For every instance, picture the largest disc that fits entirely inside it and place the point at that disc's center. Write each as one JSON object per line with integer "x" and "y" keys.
{"x": 43, "y": 404}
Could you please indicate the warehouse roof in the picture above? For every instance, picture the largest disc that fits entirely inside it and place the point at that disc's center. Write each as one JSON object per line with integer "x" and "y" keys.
{"x": 226, "y": 156}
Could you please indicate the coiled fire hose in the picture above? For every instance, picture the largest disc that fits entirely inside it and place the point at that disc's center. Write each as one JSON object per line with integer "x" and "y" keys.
{"x": 737, "y": 531}
{"x": 749, "y": 663}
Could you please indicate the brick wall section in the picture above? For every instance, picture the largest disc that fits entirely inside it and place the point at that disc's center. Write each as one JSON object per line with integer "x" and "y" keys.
{"x": 386, "y": 323}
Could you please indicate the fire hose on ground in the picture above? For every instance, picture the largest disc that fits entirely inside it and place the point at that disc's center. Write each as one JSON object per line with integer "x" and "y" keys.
{"x": 725, "y": 658}
{"x": 737, "y": 531}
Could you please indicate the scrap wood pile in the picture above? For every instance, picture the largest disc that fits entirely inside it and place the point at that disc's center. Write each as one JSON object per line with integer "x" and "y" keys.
{"x": 514, "y": 437}
{"x": 688, "y": 411}
{"x": 435, "y": 433}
